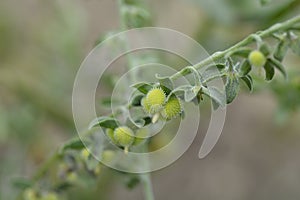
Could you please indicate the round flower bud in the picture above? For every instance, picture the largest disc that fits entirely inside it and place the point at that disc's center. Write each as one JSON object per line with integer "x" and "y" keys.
{"x": 155, "y": 99}
{"x": 172, "y": 108}
{"x": 124, "y": 136}
{"x": 30, "y": 194}
{"x": 110, "y": 135}
{"x": 257, "y": 58}
{"x": 141, "y": 136}
{"x": 108, "y": 156}
{"x": 85, "y": 154}
{"x": 145, "y": 105}
{"x": 50, "y": 196}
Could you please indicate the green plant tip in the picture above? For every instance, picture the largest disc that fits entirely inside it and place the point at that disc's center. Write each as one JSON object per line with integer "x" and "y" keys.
{"x": 124, "y": 136}
{"x": 172, "y": 108}
{"x": 154, "y": 101}
{"x": 110, "y": 134}
{"x": 257, "y": 58}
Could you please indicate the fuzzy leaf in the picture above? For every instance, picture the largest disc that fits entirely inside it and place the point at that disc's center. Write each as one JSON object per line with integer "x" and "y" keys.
{"x": 265, "y": 49}
{"x": 143, "y": 87}
{"x": 75, "y": 144}
{"x": 105, "y": 122}
{"x": 278, "y": 66}
{"x": 216, "y": 95}
{"x": 281, "y": 50}
{"x": 265, "y": 2}
{"x": 295, "y": 46}
{"x": 231, "y": 87}
{"x": 166, "y": 82}
{"x": 248, "y": 81}
{"x": 244, "y": 68}
{"x": 21, "y": 183}
{"x": 270, "y": 71}
{"x": 136, "y": 100}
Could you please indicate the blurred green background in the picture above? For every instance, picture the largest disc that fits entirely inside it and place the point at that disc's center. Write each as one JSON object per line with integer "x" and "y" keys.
{"x": 42, "y": 44}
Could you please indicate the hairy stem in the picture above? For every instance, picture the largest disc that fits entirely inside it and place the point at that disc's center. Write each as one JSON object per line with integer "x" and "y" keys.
{"x": 147, "y": 183}
{"x": 248, "y": 40}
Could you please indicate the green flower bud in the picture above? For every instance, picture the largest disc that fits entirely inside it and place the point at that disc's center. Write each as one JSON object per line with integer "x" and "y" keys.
{"x": 72, "y": 177}
{"x": 257, "y": 58}
{"x": 154, "y": 101}
{"x": 141, "y": 136}
{"x": 124, "y": 136}
{"x": 30, "y": 194}
{"x": 108, "y": 156}
{"x": 172, "y": 108}
{"x": 85, "y": 154}
{"x": 110, "y": 135}
{"x": 50, "y": 196}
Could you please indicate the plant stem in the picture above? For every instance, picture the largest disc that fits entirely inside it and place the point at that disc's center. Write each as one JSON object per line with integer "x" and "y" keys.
{"x": 248, "y": 40}
{"x": 147, "y": 183}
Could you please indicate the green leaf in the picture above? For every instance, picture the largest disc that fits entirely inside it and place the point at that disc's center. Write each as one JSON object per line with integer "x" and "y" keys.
{"x": 166, "y": 82}
{"x": 270, "y": 71}
{"x": 248, "y": 81}
{"x": 231, "y": 88}
{"x": 265, "y": 49}
{"x": 216, "y": 95}
{"x": 281, "y": 50}
{"x": 244, "y": 68}
{"x": 21, "y": 183}
{"x": 133, "y": 182}
{"x": 295, "y": 46}
{"x": 143, "y": 87}
{"x": 278, "y": 65}
{"x": 136, "y": 100}
{"x": 75, "y": 144}
{"x": 265, "y": 2}
{"x": 105, "y": 122}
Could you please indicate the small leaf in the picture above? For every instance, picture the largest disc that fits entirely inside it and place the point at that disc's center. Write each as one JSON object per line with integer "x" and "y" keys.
{"x": 62, "y": 187}
{"x": 265, "y": 2}
{"x": 270, "y": 71}
{"x": 75, "y": 144}
{"x": 21, "y": 183}
{"x": 279, "y": 66}
{"x": 136, "y": 100}
{"x": 244, "y": 68}
{"x": 295, "y": 46}
{"x": 215, "y": 95}
{"x": 248, "y": 81}
{"x": 281, "y": 50}
{"x": 265, "y": 49}
{"x": 189, "y": 95}
{"x": 105, "y": 122}
{"x": 133, "y": 182}
{"x": 231, "y": 88}
{"x": 166, "y": 82}
{"x": 143, "y": 87}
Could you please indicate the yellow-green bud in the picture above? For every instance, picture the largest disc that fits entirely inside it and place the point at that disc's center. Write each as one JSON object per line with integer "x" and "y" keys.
{"x": 124, "y": 136}
{"x": 29, "y": 194}
{"x": 155, "y": 99}
{"x": 141, "y": 136}
{"x": 72, "y": 177}
{"x": 85, "y": 154}
{"x": 50, "y": 196}
{"x": 257, "y": 58}
{"x": 172, "y": 108}
{"x": 110, "y": 135}
{"x": 108, "y": 156}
